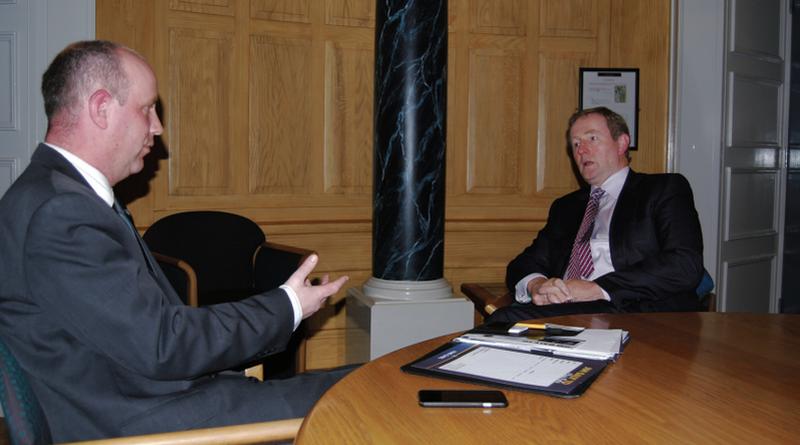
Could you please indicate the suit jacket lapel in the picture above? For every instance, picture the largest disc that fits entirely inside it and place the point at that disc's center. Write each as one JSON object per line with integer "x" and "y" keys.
{"x": 622, "y": 217}
{"x": 52, "y": 160}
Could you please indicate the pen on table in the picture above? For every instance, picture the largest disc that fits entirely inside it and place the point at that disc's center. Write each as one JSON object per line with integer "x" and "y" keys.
{"x": 532, "y": 325}
{"x": 546, "y": 327}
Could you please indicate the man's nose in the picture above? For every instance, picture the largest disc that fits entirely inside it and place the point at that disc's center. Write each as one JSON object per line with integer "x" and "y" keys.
{"x": 155, "y": 125}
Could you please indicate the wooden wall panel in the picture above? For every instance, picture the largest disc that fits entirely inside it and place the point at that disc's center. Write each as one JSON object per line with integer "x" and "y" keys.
{"x": 219, "y": 7}
{"x": 494, "y": 144}
{"x": 359, "y": 13}
{"x": 491, "y": 124}
{"x": 571, "y": 18}
{"x": 342, "y": 247}
{"x": 648, "y": 21}
{"x": 282, "y": 10}
{"x": 325, "y": 347}
{"x": 280, "y": 110}
{"x": 348, "y": 119}
{"x": 198, "y": 112}
{"x": 133, "y": 25}
{"x": 505, "y": 17}
{"x": 267, "y": 106}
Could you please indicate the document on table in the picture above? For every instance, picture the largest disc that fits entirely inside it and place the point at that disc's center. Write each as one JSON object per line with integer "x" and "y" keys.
{"x": 597, "y": 344}
{"x": 512, "y": 366}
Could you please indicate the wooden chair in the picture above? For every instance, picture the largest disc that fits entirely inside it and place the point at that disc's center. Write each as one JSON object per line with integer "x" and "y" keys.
{"x": 251, "y": 433}
{"x": 488, "y": 297}
{"x": 25, "y": 422}
{"x": 213, "y": 257}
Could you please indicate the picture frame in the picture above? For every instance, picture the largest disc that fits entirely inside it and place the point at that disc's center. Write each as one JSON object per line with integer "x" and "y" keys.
{"x": 613, "y": 88}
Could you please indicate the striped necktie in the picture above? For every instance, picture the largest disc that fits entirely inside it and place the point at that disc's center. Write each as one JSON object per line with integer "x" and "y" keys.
{"x": 580, "y": 264}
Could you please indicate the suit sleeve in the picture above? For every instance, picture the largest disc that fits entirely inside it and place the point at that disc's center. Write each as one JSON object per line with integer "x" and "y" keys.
{"x": 660, "y": 255}
{"x": 549, "y": 251}
{"x": 81, "y": 263}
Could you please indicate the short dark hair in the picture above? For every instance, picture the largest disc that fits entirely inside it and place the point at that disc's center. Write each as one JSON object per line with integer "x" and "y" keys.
{"x": 76, "y": 69}
{"x": 616, "y": 123}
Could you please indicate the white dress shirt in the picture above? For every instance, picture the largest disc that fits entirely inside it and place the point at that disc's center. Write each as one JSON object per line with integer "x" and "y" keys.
{"x": 599, "y": 241}
{"x": 101, "y": 186}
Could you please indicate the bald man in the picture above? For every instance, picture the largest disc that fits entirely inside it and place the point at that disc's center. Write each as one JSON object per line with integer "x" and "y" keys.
{"x": 108, "y": 345}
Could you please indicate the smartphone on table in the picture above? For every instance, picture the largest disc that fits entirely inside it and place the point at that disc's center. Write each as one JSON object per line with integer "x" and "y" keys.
{"x": 460, "y": 398}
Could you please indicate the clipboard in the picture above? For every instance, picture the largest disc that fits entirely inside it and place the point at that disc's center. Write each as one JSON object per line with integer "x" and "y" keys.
{"x": 531, "y": 371}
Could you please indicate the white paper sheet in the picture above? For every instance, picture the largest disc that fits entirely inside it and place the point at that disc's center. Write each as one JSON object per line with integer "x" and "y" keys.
{"x": 512, "y": 366}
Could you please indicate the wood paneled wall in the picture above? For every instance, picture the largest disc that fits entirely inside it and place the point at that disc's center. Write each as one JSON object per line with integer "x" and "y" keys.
{"x": 267, "y": 107}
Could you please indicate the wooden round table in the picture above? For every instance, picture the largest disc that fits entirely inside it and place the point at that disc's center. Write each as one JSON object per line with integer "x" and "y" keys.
{"x": 683, "y": 378}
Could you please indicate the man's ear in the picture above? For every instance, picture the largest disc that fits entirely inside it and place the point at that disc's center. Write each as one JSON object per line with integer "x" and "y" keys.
{"x": 99, "y": 103}
{"x": 623, "y": 142}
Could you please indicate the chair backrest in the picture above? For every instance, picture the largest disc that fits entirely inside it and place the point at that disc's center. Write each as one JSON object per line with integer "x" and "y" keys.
{"x": 25, "y": 419}
{"x": 228, "y": 258}
{"x": 275, "y": 263}
{"x": 219, "y": 246}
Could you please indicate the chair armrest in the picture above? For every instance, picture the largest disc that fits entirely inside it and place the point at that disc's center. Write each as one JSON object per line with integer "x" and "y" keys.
{"x": 299, "y": 251}
{"x": 251, "y": 433}
{"x": 487, "y": 297}
{"x": 180, "y": 275}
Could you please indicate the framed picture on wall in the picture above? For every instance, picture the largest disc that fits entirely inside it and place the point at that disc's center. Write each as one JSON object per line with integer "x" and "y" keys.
{"x": 613, "y": 88}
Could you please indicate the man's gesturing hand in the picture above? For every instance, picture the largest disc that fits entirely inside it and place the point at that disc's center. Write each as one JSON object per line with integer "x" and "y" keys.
{"x": 311, "y": 297}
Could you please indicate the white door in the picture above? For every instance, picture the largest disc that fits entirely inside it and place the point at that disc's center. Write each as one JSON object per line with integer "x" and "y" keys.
{"x": 753, "y": 154}
{"x": 31, "y": 33}
{"x": 14, "y": 82}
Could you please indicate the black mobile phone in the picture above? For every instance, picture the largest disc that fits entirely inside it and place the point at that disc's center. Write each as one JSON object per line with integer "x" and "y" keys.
{"x": 462, "y": 398}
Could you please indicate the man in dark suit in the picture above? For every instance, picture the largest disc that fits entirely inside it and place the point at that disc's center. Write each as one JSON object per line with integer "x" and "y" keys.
{"x": 107, "y": 344}
{"x": 635, "y": 246}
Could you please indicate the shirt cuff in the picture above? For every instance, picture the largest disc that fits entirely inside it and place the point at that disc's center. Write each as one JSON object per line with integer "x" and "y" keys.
{"x": 521, "y": 289}
{"x": 296, "y": 308}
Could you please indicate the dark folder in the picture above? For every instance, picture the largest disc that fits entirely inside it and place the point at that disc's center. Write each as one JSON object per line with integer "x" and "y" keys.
{"x": 506, "y": 368}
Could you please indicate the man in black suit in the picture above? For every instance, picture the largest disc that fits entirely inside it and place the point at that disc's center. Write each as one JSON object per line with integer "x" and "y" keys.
{"x": 635, "y": 247}
{"x": 106, "y": 342}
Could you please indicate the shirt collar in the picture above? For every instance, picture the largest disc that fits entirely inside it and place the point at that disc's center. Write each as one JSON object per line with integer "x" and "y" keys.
{"x": 96, "y": 180}
{"x": 613, "y": 184}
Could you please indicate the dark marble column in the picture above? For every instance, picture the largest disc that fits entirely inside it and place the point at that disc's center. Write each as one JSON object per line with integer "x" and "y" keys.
{"x": 409, "y": 141}
{"x": 407, "y": 299}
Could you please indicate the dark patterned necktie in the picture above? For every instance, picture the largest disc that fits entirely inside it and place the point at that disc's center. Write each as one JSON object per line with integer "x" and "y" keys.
{"x": 580, "y": 261}
{"x": 123, "y": 213}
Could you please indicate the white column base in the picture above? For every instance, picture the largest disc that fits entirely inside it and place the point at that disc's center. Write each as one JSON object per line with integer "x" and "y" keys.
{"x": 377, "y": 325}
{"x": 381, "y": 289}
